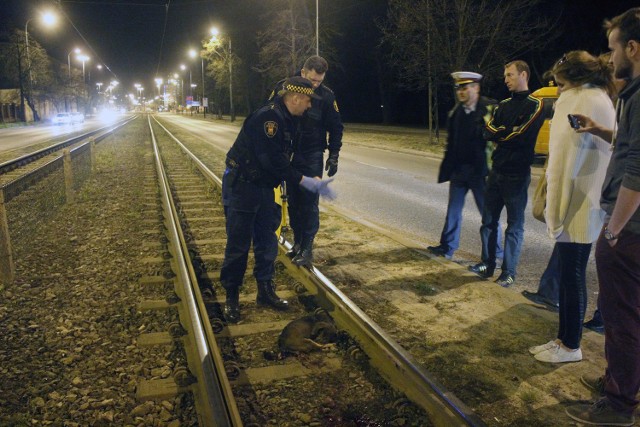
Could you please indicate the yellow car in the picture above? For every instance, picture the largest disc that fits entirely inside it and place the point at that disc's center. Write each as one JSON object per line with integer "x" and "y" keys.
{"x": 549, "y": 96}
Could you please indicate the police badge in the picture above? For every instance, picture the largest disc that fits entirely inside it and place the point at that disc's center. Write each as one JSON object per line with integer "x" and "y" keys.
{"x": 270, "y": 128}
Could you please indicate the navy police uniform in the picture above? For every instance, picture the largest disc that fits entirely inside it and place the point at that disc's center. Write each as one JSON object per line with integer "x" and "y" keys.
{"x": 258, "y": 161}
{"x": 308, "y": 150}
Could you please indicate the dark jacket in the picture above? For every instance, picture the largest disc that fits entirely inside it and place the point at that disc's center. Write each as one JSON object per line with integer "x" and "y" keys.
{"x": 323, "y": 117}
{"x": 624, "y": 167}
{"x": 466, "y": 146}
{"x": 514, "y": 128}
{"x": 262, "y": 151}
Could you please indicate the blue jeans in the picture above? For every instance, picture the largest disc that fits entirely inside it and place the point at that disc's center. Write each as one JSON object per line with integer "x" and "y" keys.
{"x": 458, "y": 188}
{"x": 510, "y": 192}
{"x": 252, "y": 215}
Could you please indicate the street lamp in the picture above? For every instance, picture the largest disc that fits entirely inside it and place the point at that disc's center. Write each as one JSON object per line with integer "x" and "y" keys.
{"x": 99, "y": 84}
{"x": 48, "y": 19}
{"x": 193, "y": 54}
{"x": 214, "y": 34}
{"x": 83, "y": 58}
{"x": 317, "y": 33}
{"x": 77, "y": 52}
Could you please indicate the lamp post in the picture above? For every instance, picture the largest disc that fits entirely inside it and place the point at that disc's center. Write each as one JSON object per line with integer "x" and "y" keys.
{"x": 99, "y": 84}
{"x": 83, "y": 58}
{"x": 317, "y": 27}
{"x": 49, "y": 19}
{"x": 214, "y": 33}
{"x": 193, "y": 54}
{"x": 77, "y": 52}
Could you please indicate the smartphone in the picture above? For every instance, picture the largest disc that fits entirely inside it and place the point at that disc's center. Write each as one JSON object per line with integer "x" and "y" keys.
{"x": 573, "y": 121}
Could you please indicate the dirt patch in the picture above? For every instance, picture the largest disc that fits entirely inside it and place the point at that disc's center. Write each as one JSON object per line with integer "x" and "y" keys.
{"x": 472, "y": 335}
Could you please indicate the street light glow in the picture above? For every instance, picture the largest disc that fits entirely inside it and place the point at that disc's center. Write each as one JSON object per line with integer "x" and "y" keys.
{"x": 192, "y": 53}
{"x": 49, "y": 18}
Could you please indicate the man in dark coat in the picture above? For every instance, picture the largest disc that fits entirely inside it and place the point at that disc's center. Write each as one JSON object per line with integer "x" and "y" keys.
{"x": 465, "y": 160}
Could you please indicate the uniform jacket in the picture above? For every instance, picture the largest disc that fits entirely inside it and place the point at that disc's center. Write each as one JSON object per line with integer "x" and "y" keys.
{"x": 475, "y": 143}
{"x": 262, "y": 150}
{"x": 577, "y": 166}
{"x": 514, "y": 128}
{"x": 323, "y": 117}
{"x": 624, "y": 168}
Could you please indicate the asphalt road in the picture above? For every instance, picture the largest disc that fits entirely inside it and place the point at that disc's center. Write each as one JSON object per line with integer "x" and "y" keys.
{"x": 396, "y": 190}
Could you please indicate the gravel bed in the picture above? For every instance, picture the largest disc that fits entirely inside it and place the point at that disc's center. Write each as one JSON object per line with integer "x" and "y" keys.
{"x": 69, "y": 323}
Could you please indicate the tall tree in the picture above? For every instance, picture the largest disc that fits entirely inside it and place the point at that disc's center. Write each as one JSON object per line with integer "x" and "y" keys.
{"x": 429, "y": 39}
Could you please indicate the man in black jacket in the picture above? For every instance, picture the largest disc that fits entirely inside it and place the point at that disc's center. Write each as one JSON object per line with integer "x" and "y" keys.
{"x": 465, "y": 160}
{"x": 513, "y": 128}
{"x": 308, "y": 154}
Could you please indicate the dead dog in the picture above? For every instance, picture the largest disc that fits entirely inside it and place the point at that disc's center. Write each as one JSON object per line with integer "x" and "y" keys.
{"x": 304, "y": 335}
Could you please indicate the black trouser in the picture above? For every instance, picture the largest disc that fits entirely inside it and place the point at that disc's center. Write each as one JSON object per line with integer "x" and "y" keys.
{"x": 573, "y": 291}
{"x": 252, "y": 215}
{"x": 304, "y": 215}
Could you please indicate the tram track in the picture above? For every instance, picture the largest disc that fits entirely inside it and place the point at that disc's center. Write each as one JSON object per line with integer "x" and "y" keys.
{"x": 363, "y": 351}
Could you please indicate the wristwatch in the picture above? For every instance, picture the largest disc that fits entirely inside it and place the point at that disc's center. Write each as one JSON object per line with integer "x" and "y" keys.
{"x": 608, "y": 235}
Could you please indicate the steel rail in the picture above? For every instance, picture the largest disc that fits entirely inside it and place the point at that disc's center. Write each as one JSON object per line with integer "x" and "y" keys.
{"x": 394, "y": 363}
{"x": 28, "y": 158}
{"x": 215, "y": 399}
{"x": 14, "y": 187}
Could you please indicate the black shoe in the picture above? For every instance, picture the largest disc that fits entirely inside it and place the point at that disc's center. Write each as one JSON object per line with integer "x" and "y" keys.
{"x": 539, "y": 299}
{"x": 267, "y": 296}
{"x": 232, "y": 306}
{"x": 482, "y": 270}
{"x": 505, "y": 280}
{"x": 305, "y": 256}
{"x": 595, "y": 326}
{"x": 439, "y": 250}
{"x": 594, "y": 383}
{"x": 293, "y": 251}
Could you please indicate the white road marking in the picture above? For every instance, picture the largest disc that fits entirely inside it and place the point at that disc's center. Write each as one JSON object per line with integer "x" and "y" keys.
{"x": 373, "y": 166}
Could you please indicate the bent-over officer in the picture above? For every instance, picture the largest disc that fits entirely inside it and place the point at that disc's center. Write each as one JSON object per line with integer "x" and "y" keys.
{"x": 256, "y": 163}
{"x": 321, "y": 119}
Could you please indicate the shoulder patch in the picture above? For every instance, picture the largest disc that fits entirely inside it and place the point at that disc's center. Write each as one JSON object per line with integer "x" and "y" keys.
{"x": 335, "y": 106}
{"x": 270, "y": 128}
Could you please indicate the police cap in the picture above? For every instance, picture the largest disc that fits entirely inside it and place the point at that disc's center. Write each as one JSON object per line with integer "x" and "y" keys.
{"x": 462, "y": 78}
{"x": 298, "y": 84}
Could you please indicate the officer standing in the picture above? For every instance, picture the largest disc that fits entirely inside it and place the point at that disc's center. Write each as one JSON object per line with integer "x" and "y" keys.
{"x": 256, "y": 163}
{"x": 465, "y": 162}
{"x": 308, "y": 152}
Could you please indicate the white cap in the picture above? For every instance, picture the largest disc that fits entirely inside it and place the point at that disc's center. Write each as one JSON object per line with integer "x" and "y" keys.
{"x": 465, "y": 77}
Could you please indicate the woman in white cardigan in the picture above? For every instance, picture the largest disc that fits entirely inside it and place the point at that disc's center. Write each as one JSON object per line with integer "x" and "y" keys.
{"x": 575, "y": 172}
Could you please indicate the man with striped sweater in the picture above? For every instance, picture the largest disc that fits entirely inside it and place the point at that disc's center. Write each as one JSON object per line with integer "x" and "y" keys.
{"x": 513, "y": 129}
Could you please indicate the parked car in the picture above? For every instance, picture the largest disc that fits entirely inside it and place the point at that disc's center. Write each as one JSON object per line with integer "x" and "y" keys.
{"x": 549, "y": 96}
{"x": 77, "y": 117}
{"x": 61, "y": 119}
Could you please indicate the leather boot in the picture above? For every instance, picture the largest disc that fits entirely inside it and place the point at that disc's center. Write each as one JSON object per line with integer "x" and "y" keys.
{"x": 305, "y": 256}
{"x": 294, "y": 250}
{"x": 232, "y": 306}
{"x": 267, "y": 296}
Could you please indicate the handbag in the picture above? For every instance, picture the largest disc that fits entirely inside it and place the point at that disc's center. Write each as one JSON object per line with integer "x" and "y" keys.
{"x": 540, "y": 195}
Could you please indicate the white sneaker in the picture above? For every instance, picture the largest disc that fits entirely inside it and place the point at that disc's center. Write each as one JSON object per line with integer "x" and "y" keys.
{"x": 540, "y": 348}
{"x": 559, "y": 355}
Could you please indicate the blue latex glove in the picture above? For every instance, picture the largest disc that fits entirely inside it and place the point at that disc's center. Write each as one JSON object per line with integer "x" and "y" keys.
{"x": 310, "y": 184}
{"x": 325, "y": 191}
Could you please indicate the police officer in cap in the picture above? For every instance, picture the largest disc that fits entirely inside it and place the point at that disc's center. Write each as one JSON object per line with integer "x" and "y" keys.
{"x": 465, "y": 161}
{"x": 257, "y": 163}
{"x": 321, "y": 120}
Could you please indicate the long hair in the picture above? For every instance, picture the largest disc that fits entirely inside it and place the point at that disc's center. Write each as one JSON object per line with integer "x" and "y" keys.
{"x": 580, "y": 67}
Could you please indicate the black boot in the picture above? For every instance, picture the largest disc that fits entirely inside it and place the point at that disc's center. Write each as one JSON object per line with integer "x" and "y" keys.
{"x": 267, "y": 296}
{"x": 232, "y": 306}
{"x": 293, "y": 251}
{"x": 305, "y": 256}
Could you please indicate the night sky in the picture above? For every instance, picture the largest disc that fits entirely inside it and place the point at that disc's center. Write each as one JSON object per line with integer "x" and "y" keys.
{"x": 136, "y": 39}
